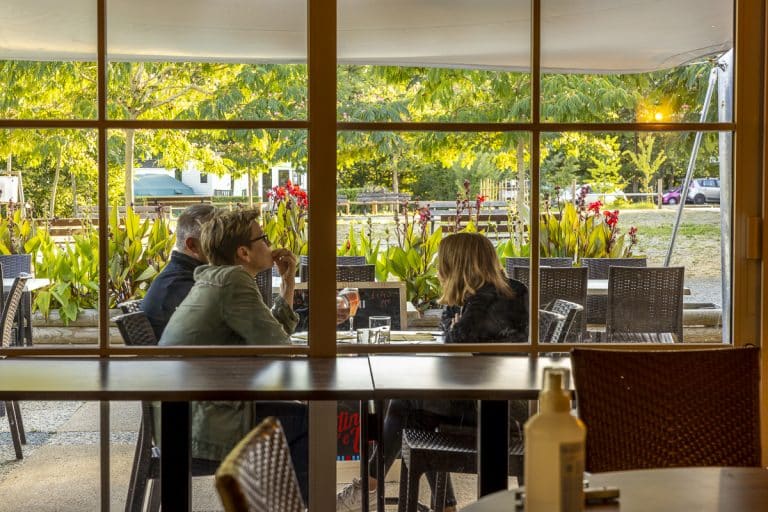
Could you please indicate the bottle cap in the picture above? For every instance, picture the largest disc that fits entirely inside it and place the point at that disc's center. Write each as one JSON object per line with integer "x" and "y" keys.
{"x": 554, "y": 396}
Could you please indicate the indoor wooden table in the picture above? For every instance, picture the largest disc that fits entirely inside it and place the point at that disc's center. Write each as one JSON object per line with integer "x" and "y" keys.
{"x": 667, "y": 490}
{"x": 177, "y": 381}
{"x": 490, "y": 379}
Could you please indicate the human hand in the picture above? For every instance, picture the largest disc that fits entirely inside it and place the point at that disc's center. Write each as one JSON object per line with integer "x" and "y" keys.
{"x": 285, "y": 262}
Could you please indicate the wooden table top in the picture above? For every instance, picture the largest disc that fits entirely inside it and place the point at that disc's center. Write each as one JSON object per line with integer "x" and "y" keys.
{"x": 486, "y": 377}
{"x": 668, "y": 490}
{"x": 255, "y": 378}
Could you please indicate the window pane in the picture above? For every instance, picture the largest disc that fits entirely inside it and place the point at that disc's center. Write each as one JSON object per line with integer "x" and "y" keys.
{"x": 49, "y": 228}
{"x": 434, "y": 61}
{"x": 600, "y": 199}
{"x": 401, "y": 193}
{"x": 263, "y": 170}
{"x": 202, "y": 60}
{"x": 636, "y": 62}
{"x": 47, "y": 60}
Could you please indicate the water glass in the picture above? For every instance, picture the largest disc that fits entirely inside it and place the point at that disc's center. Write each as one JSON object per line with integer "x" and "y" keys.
{"x": 364, "y": 336}
{"x": 380, "y": 327}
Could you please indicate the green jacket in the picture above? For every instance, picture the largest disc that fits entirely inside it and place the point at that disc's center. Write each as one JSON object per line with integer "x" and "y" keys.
{"x": 224, "y": 307}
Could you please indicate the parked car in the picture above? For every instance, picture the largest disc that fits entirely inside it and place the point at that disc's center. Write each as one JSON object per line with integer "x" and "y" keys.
{"x": 704, "y": 190}
{"x": 671, "y": 196}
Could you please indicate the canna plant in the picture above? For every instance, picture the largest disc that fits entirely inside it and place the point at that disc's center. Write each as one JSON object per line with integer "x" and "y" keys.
{"x": 285, "y": 223}
{"x": 138, "y": 250}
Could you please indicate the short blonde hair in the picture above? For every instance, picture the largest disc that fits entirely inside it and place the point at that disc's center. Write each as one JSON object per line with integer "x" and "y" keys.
{"x": 467, "y": 262}
{"x": 221, "y": 236}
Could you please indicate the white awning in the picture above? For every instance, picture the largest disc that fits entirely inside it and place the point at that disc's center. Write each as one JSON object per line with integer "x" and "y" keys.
{"x": 577, "y": 35}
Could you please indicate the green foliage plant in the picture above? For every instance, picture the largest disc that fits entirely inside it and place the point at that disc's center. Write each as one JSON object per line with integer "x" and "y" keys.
{"x": 73, "y": 269}
{"x": 413, "y": 260}
{"x": 138, "y": 250}
{"x": 285, "y": 222}
{"x": 16, "y": 231}
{"x": 361, "y": 244}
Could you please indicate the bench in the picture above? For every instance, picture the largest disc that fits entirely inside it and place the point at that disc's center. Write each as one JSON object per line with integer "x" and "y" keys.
{"x": 343, "y": 203}
{"x": 494, "y": 215}
{"x": 68, "y": 226}
{"x": 374, "y": 199}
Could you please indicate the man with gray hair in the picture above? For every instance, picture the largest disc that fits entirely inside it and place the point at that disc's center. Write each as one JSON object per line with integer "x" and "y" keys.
{"x": 173, "y": 283}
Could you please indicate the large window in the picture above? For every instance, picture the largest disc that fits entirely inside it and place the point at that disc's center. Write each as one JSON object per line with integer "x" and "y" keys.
{"x": 535, "y": 122}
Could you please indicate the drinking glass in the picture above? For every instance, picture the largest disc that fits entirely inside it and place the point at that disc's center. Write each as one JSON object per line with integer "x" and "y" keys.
{"x": 353, "y": 297}
{"x": 380, "y": 325}
{"x": 342, "y": 309}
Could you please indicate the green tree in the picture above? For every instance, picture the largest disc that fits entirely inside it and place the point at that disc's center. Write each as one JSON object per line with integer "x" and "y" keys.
{"x": 645, "y": 162}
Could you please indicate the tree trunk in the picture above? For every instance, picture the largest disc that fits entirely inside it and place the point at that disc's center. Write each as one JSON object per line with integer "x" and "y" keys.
{"x": 73, "y": 179}
{"x": 520, "y": 154}
{"x": 250, "y": 188}
{"x": 54, "y": 187}
{"x": 129, "y": 136}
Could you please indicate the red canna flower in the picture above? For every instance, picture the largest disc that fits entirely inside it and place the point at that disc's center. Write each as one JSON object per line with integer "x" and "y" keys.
{"x": 611, "y": 218}
{"x": 595, "y": 207}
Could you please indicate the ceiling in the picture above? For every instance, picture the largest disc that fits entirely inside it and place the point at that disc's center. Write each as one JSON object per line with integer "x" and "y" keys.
{"x": 602, "y": 36}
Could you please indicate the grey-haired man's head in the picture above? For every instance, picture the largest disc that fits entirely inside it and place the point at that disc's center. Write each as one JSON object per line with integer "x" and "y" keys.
{"x": 188, "y": 228}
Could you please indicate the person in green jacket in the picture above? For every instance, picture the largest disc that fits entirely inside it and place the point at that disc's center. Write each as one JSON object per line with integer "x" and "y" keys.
{"x": 225, "y": 307}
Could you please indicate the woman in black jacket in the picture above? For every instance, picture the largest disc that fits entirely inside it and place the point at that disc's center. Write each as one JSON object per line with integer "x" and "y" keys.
{"x": 482, "y": 306}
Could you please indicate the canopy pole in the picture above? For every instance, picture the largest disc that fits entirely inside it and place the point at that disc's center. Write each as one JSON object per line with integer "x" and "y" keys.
{"x": 725, "y": 143}
{"x": 691, "y": 163}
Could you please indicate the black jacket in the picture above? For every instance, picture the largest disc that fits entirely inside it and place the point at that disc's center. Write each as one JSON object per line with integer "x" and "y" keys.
{"x": 488, "y": 316}
{"x": 169, "y": 288}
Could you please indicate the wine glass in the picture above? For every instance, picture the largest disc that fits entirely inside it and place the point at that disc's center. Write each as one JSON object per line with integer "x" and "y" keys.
{"x": 353, "y": 297}
{"x": 342, "y": 309}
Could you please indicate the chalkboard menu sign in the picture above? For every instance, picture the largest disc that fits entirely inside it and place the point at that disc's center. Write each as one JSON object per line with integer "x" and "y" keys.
{"x": 376, "y": 299}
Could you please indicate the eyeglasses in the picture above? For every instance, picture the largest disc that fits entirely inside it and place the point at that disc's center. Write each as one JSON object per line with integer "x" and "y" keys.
{"x": 262, "y": 237}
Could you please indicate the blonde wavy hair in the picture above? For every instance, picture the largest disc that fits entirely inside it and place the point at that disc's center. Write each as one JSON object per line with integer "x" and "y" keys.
{"x": 465, "y": 263}
{"x": 224, "y": 232}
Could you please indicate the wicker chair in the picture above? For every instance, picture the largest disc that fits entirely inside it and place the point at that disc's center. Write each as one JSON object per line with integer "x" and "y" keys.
{"x": 645, "y": 305}
{"x": 655, "y": 409}
{"x": 346, "y": 273}
{"x": 548, "y": 323}
{"x": 451, "y": 450}
{"x": 569, "y": 284}
{"x": 137, "y": 331}
{"x": 130, "y": 306}
{"x": 14, "y": 265}
{"x": 511, "y": 263}
{"x": 598, "y": 269}
{"x": 257, "y": 475}
{"x": 264, "y": 283}
{"x": 340, "y": 260}
{"x": 569, "y": 311}
{"x": 12, "y": 409}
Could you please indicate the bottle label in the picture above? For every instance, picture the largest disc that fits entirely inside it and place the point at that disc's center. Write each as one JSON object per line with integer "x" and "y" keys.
{"x": 571, "y": 477}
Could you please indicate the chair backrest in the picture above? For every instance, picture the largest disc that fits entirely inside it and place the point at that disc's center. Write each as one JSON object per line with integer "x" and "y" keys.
{"x": 548, "y": 323}
{"x": 645, "y": 304}
{"x": 15, "y": 264}
{"x": 264, "y": 283}
{"x": 360, "y": 272}
{"x": 653, "y": 409}
{"x": 570, "y": 311}
{"x": 258, "y": 475}
{"x": 511, "y": 263}
{"x": 598, "y": 267}
{"x": 135, "y": 329}
{"x": 11, "y": 306}
{"x": 130, "y": 306}
{"x": 564, "y": 283}
{"x": 352, "y": 273}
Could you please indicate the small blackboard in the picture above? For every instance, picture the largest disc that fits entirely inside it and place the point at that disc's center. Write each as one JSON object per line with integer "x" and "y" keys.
{"x": 376, "y": 298}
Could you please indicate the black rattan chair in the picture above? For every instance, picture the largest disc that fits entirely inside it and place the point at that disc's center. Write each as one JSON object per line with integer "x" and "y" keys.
{"x": 569, "y": 311}
{"x": 12, "y": 409}
{"x": 340, "y": 261}
{"x": 657, "y": 409}
{"x": 511, "y": 263}
{"x": 564, "y": 283}
{"x": 130, "y": 306}
{"x": 264, "y": 283}
{"x": 258, "y": 475}
{"x": 645, "y": 305}
{"x": 15, "y": 265}
{"x": 598, "y": 269}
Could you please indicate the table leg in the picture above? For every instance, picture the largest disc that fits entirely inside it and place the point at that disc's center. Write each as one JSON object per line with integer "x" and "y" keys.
{"x": 175, "y": 458}
{"x": 380, "y": 470}
{"x": 492, "y": 446}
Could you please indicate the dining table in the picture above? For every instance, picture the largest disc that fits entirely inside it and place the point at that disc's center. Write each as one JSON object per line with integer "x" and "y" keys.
{"x": 491, "y": 380}
{"x": 700, "y": 489}
{"x": 32, "y": 284}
